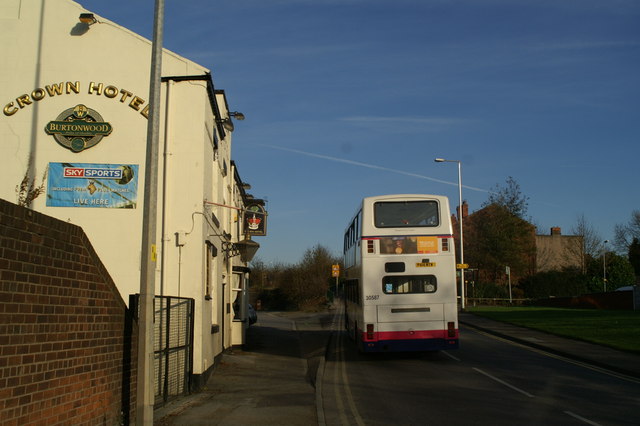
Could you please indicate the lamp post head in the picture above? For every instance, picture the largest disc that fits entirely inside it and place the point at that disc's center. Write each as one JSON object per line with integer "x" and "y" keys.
{"x": 444, "y": 160}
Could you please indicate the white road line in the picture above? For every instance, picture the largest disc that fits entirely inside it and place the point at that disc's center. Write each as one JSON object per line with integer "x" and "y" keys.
{"x": 451, "y": 356}
{"x": 504, "y": 383}
{"x": 319, "y": 399}
{"x": 559, "y": 357}
{"x": 336, "y": 381}
{"x": 342, "y": 366}
{"x": 587, "y": 421}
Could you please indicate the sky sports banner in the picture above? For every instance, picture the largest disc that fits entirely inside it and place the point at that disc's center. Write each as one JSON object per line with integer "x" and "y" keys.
{"x": 112, "y": 186}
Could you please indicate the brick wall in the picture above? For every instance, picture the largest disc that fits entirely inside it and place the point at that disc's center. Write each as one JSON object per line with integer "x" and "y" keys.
{"x": 67, "y": 341}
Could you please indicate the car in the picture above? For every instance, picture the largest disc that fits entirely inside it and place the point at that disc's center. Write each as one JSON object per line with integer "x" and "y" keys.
{"x": 625, "y": 288}
{"x": 252, "y": 316}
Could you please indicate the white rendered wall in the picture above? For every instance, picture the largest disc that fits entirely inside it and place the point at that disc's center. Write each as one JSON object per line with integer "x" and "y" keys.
{"x": 44, "y": 48}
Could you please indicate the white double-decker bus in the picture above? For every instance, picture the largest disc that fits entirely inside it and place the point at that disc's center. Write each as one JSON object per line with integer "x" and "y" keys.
{"x": 399, "y": 274}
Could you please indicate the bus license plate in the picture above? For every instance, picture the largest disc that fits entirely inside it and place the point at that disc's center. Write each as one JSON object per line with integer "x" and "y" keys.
{"x": 425, "y": 264}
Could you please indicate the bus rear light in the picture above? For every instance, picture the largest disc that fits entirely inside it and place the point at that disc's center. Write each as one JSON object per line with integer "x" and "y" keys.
{"x": 369, "y": 331}
{"x": 370, "y": 246}
{"x": 451, "y": 329}
{"x": 445, "y": 244}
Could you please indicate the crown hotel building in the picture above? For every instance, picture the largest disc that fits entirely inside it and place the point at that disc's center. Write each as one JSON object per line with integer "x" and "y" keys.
{"x": 74, "y": 94}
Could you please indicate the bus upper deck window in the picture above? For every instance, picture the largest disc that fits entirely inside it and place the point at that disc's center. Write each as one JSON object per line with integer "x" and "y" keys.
{"x": 406, "y": 214}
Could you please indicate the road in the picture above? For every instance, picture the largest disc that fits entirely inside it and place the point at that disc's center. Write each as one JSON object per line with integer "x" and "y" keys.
{"x": 488, "y": 381}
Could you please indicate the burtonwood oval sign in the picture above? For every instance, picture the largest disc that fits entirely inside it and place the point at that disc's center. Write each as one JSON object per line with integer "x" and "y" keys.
{"x": 78, "y": 128}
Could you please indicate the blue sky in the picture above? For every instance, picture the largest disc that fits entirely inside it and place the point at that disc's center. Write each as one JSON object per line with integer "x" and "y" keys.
{"x": 352, "y": 98}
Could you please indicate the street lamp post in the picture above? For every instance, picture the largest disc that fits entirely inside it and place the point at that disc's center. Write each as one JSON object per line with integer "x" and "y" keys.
{"x": 442, "y": 160}
{"x": 604, "y": 265}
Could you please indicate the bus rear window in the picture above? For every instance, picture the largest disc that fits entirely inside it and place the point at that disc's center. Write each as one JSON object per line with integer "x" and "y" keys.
{"x": 408, "y": 284}
{"x": 406, "y": 214}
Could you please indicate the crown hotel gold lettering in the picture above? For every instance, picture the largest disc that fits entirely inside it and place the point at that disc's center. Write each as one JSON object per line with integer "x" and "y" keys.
{"x": 70, "y": 88}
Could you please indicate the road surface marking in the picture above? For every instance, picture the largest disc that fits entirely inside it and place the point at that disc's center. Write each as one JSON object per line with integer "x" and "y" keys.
{"x": 559, "y": 357}
{"x": 587, "y": 421}
{"x": 504, "y": 383}
{"x": 451, "y": 356}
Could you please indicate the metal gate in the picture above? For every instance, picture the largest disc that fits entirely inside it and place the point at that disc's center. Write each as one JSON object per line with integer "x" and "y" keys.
{"x": 172, "y": 346}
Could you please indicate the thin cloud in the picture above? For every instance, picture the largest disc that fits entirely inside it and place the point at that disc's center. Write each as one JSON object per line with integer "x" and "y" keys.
{"x": 443, "y": 121}
{"x": 370, "y": 166}
{"x": 587, "y": 45}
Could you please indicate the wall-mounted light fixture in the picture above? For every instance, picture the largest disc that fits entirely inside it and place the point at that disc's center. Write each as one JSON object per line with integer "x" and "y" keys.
{"x": 228, "y": 124}
{"x": 248, "y": 248}
{"x": 88, "y": 18}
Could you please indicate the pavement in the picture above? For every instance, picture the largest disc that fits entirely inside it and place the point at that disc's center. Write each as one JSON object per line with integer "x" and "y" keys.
{"x": 272, "y": 379}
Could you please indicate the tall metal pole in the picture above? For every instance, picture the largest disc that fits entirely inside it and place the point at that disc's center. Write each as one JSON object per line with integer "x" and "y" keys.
{"x": 604, "y": 265}
{"x": 145, "y": 383}
{"x": 461, "y": 214}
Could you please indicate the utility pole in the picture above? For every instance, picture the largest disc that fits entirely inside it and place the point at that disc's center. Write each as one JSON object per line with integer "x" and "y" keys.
{"x": 145, "y": 383}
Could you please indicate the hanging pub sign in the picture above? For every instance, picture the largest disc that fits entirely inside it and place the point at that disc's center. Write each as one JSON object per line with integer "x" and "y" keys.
{"x": 255, "y": 220}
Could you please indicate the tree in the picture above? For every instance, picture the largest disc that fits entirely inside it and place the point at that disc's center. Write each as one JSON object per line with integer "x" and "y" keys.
{"x": 496, "y": 238}
{"x": 619, "y": 271}
{"x": 510, "y": 197}
{"x": 315, "y": 270}
{"x": 300, "y": 286}
{"x": 591, "y": 242}
{"x": 634, "y": 256}
{"x": 624, "y": 234}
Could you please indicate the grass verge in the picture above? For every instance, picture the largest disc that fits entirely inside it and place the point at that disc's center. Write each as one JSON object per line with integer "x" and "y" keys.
{"x": 616, "y": 329}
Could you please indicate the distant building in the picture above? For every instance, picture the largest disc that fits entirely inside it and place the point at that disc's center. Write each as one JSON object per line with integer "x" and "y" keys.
{"x": 556, "y": 251}
{"x": 552, "y": 252}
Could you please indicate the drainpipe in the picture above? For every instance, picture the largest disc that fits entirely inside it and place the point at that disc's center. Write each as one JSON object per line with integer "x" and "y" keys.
{"x": 165, "y": 182}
